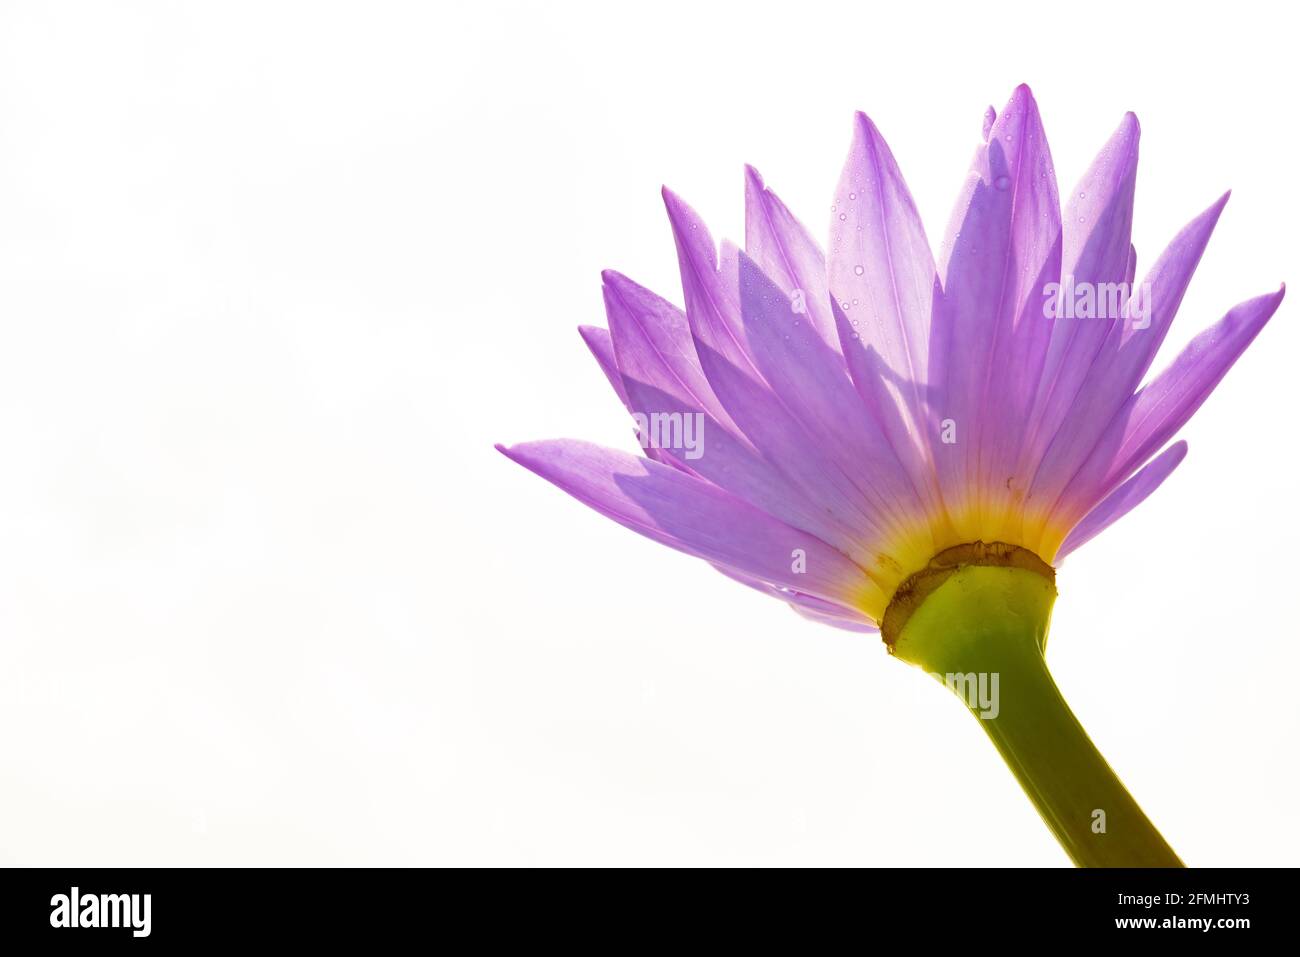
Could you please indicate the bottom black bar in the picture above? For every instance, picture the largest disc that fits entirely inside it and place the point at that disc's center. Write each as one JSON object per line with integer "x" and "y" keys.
{"x": 138, "y": 907}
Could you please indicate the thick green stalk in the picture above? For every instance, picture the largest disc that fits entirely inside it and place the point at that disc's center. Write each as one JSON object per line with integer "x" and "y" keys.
{"x": 983, "y": 621}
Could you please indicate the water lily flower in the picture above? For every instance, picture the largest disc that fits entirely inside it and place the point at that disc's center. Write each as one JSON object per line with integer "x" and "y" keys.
{"x": 889, "y": 441}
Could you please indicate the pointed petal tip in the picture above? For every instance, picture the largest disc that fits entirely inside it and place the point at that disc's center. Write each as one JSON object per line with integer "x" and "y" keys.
{"x": 1129, "y": 128}
{"x": 1210, "y": 215}
{"x": 620, "y": 285}
{"x": 672, "y": 202}
{"x": 862, "y": 124}
{"x": 522, "y": 453}
{"x": 679, "y": 211}
{"x": 755, "y": 177}
{"x": 1275, "y": 298}
{"x": 1022, "y": 98}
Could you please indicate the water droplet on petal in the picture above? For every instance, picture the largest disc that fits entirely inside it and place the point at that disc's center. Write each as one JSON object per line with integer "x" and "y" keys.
{"x": 1002, "y": 182}
{"x": 858, "y": 270}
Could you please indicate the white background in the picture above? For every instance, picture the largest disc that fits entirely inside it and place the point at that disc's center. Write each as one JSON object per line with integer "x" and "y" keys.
{"x": 275, "y": 277}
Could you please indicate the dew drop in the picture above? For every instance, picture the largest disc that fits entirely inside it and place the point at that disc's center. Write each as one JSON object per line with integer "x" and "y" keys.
{"x": 1002, "y": 182}
{"x": 858, "y": 270}
{"x": 842, "y": 216}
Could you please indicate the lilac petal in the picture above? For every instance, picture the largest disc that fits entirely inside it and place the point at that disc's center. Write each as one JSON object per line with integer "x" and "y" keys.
{"x": 1097, "y": 225}
{"x": 1152, "y": 416}
{"x": 712, "y": 306}
{"x": 861, "y": 626}
{"x": 714, "y": 312}
{"x": 816, "y": 609}
{"x": 601, "y": 344}
{"x": 653, "y": 344}
{"x": 661, "y": 374}
{"x": 990, "y": 117}
{"x": 1124, "y": 499}
{"x": 788, "y": 447}
{"x": 658, "y": 365}
{"x": 883, "y": 287}
{"x": 881, "y": 270}
{"x": 813, "y": 384}
{"x": 788, "y": 255}
{"x": 693, "y": 516}
{"x": 1125, "y": 356}
{"x": 602, "y": 347}
{"x": 1003, "y": 247}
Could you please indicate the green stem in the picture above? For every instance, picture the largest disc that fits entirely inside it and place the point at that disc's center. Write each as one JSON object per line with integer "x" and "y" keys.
{"x": 986, "y": 621}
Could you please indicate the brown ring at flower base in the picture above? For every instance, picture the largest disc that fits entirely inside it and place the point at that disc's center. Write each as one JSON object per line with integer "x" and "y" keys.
{"x": 917, "y": 587}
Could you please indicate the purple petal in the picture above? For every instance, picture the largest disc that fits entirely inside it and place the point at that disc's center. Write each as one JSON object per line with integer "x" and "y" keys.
{"x": 814, "y": 386}
{"x": 846, "y": 497}
{"x": 816, "y": 609}
{"x": 883, "y": 287}
{"x": 859, "y": 625}
{"x": 602, "y": 347}
{"x": 712, "y": 306}
{"x": 653, "y": 344}
{"x": 659, "y": 370}
{"x": 1003, "y": 247}
{"x": 1125, "y": 356}
{"x": 1097, "y": 226}
{"x": 881, "y": 270}
{"x": 1152, "y": 417}
{"x": 694, "y": 517}
{"x": 1124, "y": 499}
{"x": 788, "y": 255}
